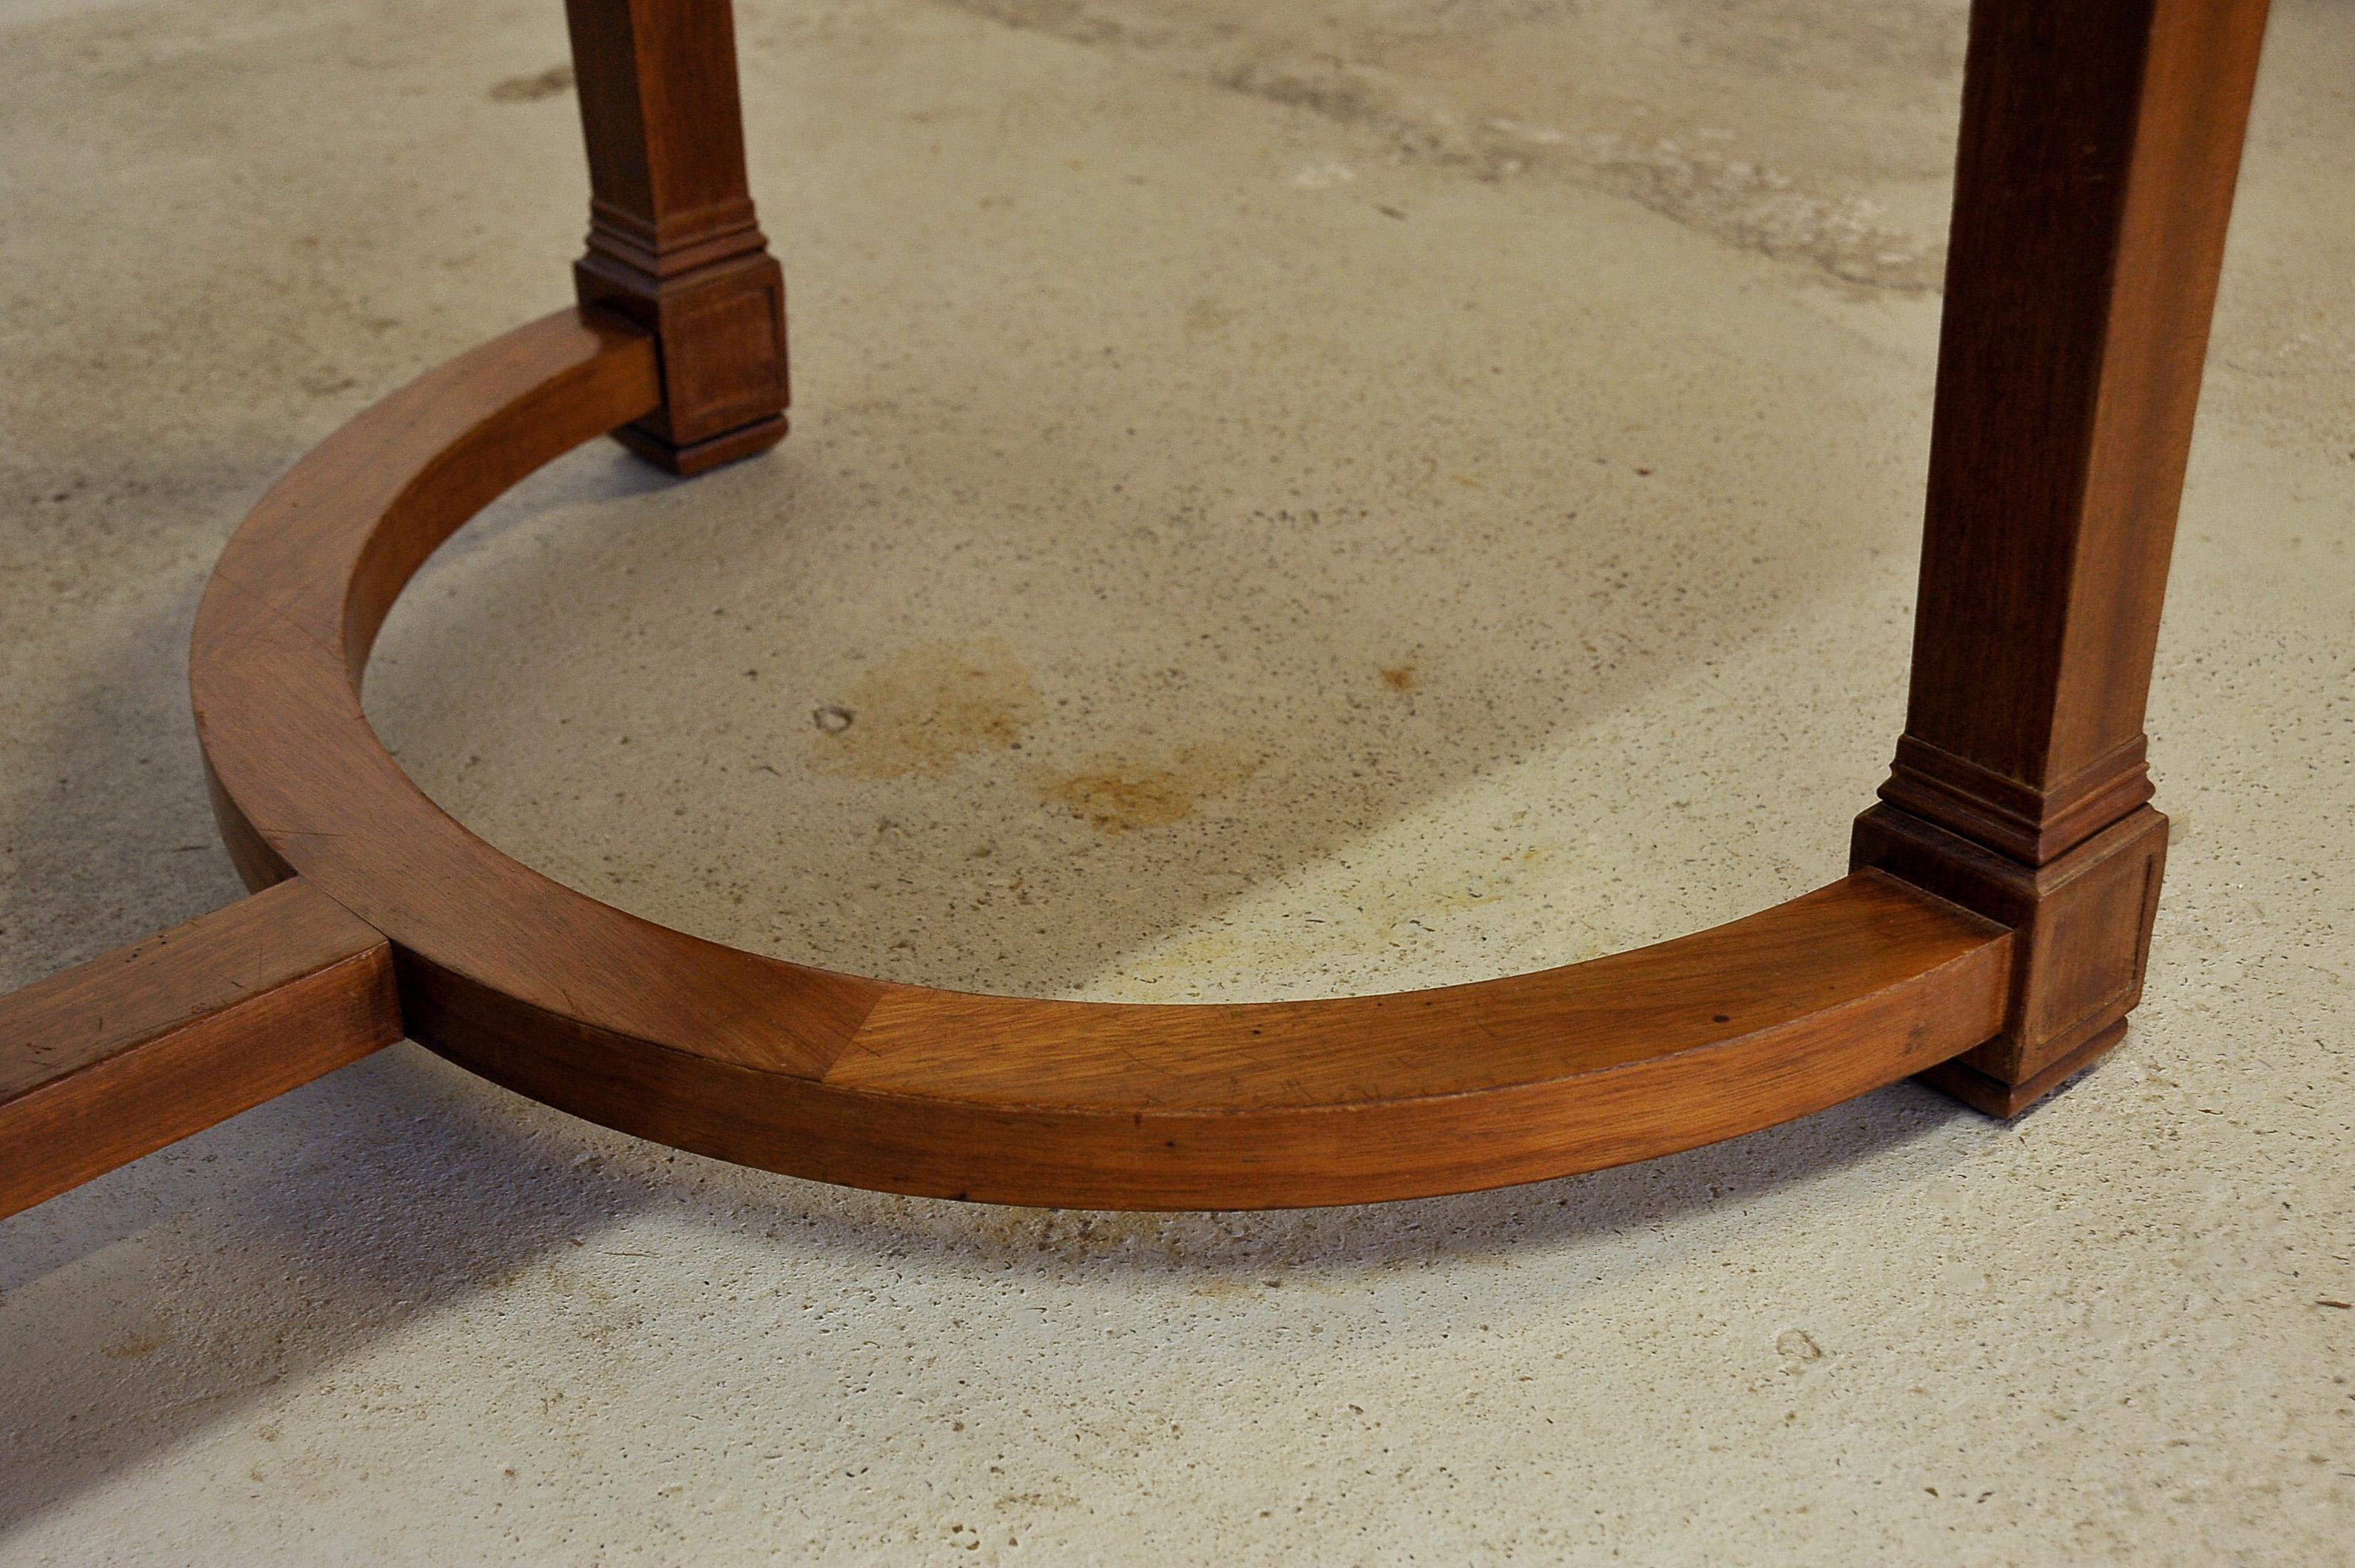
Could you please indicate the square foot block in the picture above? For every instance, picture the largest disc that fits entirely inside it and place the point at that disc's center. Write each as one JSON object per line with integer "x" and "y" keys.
{"x": 1997, "y": 1098}
{"x": 720, "y": 332}
{"x": 702, "y": 456}
{"x": 2082, "y": 925}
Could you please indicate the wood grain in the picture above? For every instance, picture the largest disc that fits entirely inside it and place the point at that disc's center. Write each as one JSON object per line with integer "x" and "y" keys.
{"x": 2100, "y": 143}
{"x": 854, "y": 1080}
{"x": 145, "y": 1045}
{"x": 1775, "y": 976}
{"x": 1586, "y": 1103}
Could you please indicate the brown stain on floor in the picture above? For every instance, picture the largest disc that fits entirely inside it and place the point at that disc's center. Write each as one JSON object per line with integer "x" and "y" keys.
{"x": 133, "y": 1344}
{"x": 1119, "y": 795}
{"x": 1208, "y": 314}
{"x": 926, "y": 707}
{"x": 556, "y": 78}
{"x": 1399, "y": 677}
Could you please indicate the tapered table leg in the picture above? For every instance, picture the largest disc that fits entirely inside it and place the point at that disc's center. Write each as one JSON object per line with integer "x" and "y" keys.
{"x": 2100, "y": 144}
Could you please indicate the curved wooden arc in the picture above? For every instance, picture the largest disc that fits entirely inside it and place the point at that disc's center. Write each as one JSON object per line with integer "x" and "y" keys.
{"x": 907, "y": 1089}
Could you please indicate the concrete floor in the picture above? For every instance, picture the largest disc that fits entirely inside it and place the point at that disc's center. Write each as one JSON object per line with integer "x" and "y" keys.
{"x": 1432, "y": 489}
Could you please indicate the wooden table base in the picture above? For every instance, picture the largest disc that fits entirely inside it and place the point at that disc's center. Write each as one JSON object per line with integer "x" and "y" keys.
{"x": 1992, "y": 932}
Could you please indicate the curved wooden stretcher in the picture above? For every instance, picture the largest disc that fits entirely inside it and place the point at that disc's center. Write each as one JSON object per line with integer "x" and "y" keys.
{"x": 1991, "y": 935}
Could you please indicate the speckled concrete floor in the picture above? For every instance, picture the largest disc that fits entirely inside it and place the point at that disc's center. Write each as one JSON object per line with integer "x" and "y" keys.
{"x": 1429, "y": 489}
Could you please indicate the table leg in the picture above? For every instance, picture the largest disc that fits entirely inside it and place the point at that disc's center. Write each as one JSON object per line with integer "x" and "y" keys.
{"x": 2100, "y": 145}
{"x": 673, "y": 243}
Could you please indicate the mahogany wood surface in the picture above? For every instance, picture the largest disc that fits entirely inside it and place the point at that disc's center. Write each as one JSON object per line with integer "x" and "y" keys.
{"x": 1014, "y": 1099}
{"x": 1281, "y": 1104}
{"x": 145, "y": 1045}
{"x": 2101, "y": 141}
